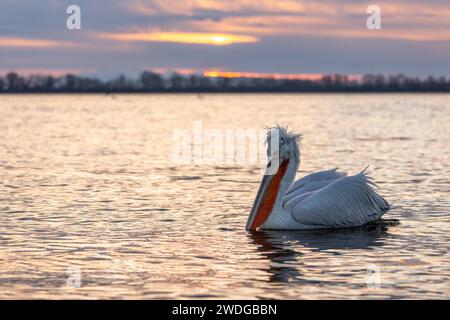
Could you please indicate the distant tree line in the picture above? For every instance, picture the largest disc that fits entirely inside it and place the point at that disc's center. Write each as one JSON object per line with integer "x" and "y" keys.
{"x": 153, "y": 82}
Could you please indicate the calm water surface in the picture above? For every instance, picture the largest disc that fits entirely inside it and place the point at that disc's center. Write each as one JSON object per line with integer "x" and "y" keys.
{"x": 87, "y": 185}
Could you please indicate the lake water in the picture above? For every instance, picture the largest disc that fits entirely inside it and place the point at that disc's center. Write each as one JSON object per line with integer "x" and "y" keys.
{"x": 92, "y": 206}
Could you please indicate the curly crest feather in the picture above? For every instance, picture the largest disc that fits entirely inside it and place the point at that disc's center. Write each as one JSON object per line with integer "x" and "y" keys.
{"x": 289, "y": 142}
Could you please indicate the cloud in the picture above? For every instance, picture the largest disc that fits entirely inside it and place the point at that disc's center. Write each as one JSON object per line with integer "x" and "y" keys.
{"x": 49, "y": 71}
{"x": 217, "y": 39}
{"x": 256, "y": 36}
{"x": 401, "y": 19}
{"x": 11, "y": 42}
{"x": 189, "y": 7}
{"x": 253, "y": 75}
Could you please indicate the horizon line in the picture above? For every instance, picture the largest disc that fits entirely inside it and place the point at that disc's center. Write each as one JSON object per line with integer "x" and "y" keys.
{"x": 208, "y": 73}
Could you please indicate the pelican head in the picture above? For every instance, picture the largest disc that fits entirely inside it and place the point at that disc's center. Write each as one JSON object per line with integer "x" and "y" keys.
{"x": 287, "y": 145}
{"x": 283, "y": 149}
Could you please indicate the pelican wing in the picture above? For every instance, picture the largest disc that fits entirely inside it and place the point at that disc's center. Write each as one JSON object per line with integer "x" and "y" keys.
{"x": 315, "y": 177}
{"x": 304, "y": 187}
{"x": 347, "y": 201}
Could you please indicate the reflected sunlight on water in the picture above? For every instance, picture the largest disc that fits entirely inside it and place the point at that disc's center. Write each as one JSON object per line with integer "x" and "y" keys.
{"x": 87, "y": 184}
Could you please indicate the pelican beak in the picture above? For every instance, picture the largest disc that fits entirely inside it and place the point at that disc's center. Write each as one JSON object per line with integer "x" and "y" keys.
{"x": 266, "y": 197}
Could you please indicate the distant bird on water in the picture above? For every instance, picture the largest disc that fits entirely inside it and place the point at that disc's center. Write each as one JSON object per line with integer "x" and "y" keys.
{"x": 325, "y": 199}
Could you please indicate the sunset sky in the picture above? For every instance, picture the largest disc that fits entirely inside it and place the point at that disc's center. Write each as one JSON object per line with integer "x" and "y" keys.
{"x": 282, "y": 37}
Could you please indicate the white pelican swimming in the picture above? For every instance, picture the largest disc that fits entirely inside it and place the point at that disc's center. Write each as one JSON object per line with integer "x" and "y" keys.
{"x": 325, "y": 199}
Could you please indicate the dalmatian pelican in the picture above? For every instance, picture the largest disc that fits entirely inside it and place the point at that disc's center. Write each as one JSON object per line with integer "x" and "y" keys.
{"x": 325, "y": 199}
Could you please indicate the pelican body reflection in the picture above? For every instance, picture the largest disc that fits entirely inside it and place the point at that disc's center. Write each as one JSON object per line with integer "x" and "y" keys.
{"x": 286, "y": 250}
